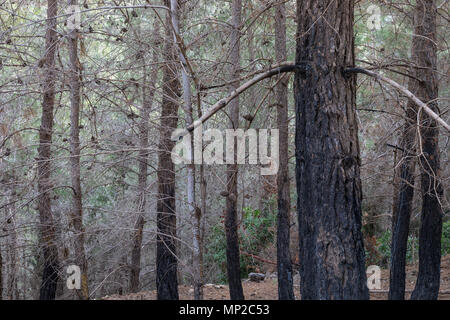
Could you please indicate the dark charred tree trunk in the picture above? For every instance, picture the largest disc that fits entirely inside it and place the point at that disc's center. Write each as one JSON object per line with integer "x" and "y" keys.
{"x": 166, "y": 260}
{"x": 12, "y": 247}
{"x": 428, "y": 280}
{"x": 77, "y": 211}
{"x": 284, "y": 263}
{"x": 327, "y": 154}
{"x": 50, "y": 274}
{"x": 231, "y": 223}
{"x": 423, "y": 56}
{"x": 395, "y": 189}
{"x": 404, "y": 203}
{"x": 147, "y": 101}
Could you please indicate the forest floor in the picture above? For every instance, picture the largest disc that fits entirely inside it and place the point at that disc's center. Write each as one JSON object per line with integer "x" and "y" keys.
{"x": 267, "y": 289}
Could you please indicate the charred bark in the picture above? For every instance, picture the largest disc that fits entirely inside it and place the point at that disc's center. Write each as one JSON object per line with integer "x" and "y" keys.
{"x": 166, "y": 260}
{"x": 327, "y": 154}
{"x": 147, "y": 101}
{"x": 428, "y": 279}
{"x": 403, "y": 211}
{"x": 231, "y": 223}
{"x": 284, "y": 264}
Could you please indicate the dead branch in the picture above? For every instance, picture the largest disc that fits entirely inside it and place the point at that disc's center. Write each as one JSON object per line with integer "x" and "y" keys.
{"x": 405, "y": 91}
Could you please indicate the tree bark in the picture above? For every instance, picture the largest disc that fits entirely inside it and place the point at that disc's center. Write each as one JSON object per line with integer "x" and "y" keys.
{"x": 193, "y": 211}
{"x": 403, "y": 212}
{"x": 284, "y": 263}
{"x": 327, "y": 154}
{"x": 1, "y": 274}
{"x": 231, "y": 223}
{"x": 51, "y": 268}
{"x": 77, "y": 211}
{"x": 424, "y": 45}
{"x": 395, "y": 190}
{"x": 148, "y": 93}
{"x": 11, "y": 286}
{"x": 166, "y": 260}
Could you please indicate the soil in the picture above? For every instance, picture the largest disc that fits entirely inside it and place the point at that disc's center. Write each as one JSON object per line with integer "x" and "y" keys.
{"x": 267, "y": 289}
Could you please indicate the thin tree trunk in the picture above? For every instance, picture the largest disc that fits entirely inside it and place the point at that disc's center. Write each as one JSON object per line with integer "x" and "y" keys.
{"x": 148, "y": 93}
{"x": 203, "y": 195}
{"x": 11, "y": 288}
{"x": 423, "y": 55}
{"x": 284, "y": 263}
{"x": 404, "y": 204}
{"x": 51, "y": 269}
{"x": 327, "y": 154}
{"x": 428, "y": 280}
{"x": 77, "y": 211}
{"x": 1, "y": 273}
{"x": 166, "y": 260}
{"x": 395, "y": 190}
{"x": 231, "y": 224}
{"x": 193, "y": 211}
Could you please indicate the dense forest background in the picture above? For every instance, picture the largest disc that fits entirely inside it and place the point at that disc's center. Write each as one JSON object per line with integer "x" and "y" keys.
{"x": 120, "y": 58}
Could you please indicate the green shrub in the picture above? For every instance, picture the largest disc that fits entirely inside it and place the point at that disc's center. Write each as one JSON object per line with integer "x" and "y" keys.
{"x": 445, "y": 246}
{"x": 384, "y": 245}
{"x": 256, "y": 232}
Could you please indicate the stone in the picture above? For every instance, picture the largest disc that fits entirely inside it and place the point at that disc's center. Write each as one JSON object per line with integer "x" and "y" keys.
{"x": 256, "y": 277}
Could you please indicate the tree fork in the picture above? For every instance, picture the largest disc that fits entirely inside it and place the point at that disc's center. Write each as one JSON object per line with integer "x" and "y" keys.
{"x": 428, "y": 279}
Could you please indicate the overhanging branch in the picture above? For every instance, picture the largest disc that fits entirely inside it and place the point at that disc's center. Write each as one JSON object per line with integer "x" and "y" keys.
{"x": 274, "y": 70}
{"x": 404, "y": 90}
{"x": 290, "y": 67}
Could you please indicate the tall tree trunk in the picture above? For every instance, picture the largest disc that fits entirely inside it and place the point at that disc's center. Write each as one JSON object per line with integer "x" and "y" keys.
{"x": 166, "y": 260}
{"x": 395, "y": 190}
{"x": 428, "y": 280}
{"x": 404, "y": 203}
{"x": 284, "y": 263}
{"x": 1, "y": 273}
{"x": 51, "y": 269}
{"x": 11, "y": 287}
{"x": 203, "y": 198}
{"x": 148, "y": 93}
{"x": 327, "y": 154}
{"x": 203, "y": 195}
{"x": 231, "y": 223}
{"x": 77, "y": 211}
{"x": 193, "y": 211}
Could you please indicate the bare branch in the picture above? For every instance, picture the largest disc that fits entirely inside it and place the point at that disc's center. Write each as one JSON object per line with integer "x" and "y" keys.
{"x": 274, "y": 70}
{"x": 401, "y": 88}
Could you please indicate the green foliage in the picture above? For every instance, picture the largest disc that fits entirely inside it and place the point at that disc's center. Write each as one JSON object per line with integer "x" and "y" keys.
{"x": 445, "y": 244}
{"x": 256, "y": 232}
{"x": 384, "y": 243}
{"x": 384, "y": 246}
{"x": 216, "y": 250}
